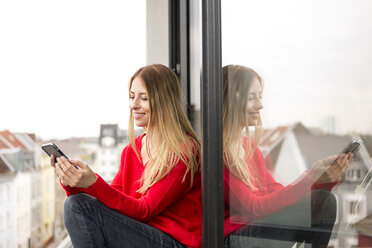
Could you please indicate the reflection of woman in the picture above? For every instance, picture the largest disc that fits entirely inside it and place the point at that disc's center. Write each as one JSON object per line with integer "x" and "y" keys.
{"x": 258, "y": 209}
{"x": 155, "y": 198}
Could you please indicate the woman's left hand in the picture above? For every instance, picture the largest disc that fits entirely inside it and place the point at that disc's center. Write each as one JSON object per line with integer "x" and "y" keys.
{"x": 80, "y": 176}
{"x": 331, "y": 169}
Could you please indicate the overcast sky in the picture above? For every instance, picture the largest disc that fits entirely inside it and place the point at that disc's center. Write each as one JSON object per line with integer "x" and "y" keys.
{"x": 315, "y": 57}
{"x": 65, "y": 65}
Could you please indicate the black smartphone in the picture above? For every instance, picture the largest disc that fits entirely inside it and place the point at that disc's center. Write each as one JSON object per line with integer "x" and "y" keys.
{"x": 52, "y": 149}
{"x": 352, "y": 147}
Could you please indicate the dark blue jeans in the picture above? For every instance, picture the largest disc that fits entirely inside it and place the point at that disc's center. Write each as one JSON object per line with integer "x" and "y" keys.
{"x": 90, "y": 223}
{"x": 310, "y": 220}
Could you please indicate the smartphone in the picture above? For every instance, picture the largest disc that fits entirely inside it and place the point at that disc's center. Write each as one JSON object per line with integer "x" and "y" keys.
{"x": 52, "y": 149}
{"x": 352, "y": 147}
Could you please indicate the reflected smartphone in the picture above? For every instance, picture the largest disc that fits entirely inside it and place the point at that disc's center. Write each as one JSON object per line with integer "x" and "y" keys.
{"x": 352, "y": 147}
{"x": 51, "y": 148}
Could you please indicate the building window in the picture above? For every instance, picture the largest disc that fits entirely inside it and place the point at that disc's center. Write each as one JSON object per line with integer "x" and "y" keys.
{"x": 354, "y": 175}
{"x": 8, "y": 192}
{"x": 355, "y": 207}
{"x": 8, "y": 223}
{"x": 1, "y": 222}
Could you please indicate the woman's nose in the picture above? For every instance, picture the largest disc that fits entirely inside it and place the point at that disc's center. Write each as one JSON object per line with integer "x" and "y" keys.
{"x": 134, "y": 104}
{"x": 259, "y": 104}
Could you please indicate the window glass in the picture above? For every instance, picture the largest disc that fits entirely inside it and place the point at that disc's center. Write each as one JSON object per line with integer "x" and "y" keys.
{"x": 297, "y": 87}
{"x": 64, "y": 71}
{"x": 195, "y": 40}
{"x": 82, "y": 52}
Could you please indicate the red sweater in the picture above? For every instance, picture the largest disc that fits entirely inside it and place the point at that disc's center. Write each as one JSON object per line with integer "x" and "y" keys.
{"x": 169, "y": 205}
{"x": 242, "y": 205}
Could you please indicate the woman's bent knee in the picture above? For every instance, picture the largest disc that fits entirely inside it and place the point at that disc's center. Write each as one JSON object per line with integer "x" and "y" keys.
{"x": 77, "y": 204}
{"x": 78, "y": 201}
{"x": 324, "y": 206}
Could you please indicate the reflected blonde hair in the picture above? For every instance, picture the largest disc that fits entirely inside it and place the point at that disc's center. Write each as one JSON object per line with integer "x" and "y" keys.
{"x": 237, "y": 81}
{"x": 168, "y": 121}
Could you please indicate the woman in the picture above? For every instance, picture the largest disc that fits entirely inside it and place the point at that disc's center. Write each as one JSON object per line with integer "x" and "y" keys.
{"x": 155, "y": 198}
{"x": 259, "y": 212}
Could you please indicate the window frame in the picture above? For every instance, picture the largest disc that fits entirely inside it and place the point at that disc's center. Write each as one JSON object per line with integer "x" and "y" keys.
{"x": 211, "y": 103}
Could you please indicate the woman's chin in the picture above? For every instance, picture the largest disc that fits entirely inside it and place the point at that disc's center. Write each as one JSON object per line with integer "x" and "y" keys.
{"x": 252, "y": 123}
{"x": 141, "y": 125}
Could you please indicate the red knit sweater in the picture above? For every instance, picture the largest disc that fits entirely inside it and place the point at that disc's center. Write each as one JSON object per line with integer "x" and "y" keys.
{"x": 242, "y": 205}
{"x": 169, "y": 205}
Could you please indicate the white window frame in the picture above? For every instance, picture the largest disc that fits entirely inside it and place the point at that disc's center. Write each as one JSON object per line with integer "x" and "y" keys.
{"x": 353, "y": 218}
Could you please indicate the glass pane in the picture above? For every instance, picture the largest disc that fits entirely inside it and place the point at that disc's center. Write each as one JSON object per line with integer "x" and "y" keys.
{"x": 297, "y": 87}
{"x": 74, "y": 58}
{"x": 64, "y": 71}
{"x": 195, "y": 63}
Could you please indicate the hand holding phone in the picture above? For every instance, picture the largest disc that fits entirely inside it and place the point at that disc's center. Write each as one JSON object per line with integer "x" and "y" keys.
{"x": 332, "y": 169}
{"x": 52, "y": 149}
{"x": 85, "y": 176}
{"x": 352, "y": 147}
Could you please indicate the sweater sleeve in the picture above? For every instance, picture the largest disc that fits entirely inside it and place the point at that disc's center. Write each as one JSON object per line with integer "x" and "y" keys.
{"x": 253, "y": 205}
{"x": 323, "y": 186}
{"x": 271, "y": 184}
{"x": 73, "y": 190}
{"x": 155, "y": 200}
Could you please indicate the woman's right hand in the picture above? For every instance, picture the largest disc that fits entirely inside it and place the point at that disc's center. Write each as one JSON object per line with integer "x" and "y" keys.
{"x": 330, "y": 169}
{"x": 73, "y": 173}
{"x": 52, "y": 161}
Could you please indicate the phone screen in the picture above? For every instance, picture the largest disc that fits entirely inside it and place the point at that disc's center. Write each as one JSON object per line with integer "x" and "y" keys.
{"x": 352, "y": 147}
{"x": 52, "y": 149}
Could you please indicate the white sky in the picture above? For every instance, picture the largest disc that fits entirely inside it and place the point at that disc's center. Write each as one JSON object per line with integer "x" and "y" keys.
{"x": 315, "y": 57}
{"x": 65, "y": 65}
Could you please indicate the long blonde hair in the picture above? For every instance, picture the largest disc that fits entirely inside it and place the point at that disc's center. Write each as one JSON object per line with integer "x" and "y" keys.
{"x": 237, "y": 81}
{"x": 168, "y": 121}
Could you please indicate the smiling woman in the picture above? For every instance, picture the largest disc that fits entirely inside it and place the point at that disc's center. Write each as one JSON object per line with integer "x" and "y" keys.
{"x": 259, "y": 210}
{"x": 138, "y": 103}
{"x": 155, "y": 198}
{"x": 315, "y": 63}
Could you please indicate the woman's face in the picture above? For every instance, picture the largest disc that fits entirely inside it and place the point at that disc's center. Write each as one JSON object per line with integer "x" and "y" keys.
{"x": 254, "y": 103}
{"x": 139, "y": 103}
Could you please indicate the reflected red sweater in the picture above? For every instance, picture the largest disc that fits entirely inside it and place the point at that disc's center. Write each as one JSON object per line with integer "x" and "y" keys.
{"x": 242, "y": 205}
{"x": 169, "y": 205}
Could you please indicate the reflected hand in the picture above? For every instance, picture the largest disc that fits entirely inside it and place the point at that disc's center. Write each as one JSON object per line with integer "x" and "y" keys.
{"x": 330, "y": 169}
{"x": 80, "y": 176}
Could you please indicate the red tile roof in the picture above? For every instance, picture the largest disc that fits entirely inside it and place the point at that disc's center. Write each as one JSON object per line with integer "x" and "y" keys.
{"x": 3, "y": 145}
{"x": 9, "y": 140}
{"x": 3, "y": 167}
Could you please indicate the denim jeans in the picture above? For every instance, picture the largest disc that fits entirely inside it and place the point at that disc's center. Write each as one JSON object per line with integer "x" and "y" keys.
{"x": 90, "y": 223}
{"x": 310, "y": 220}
